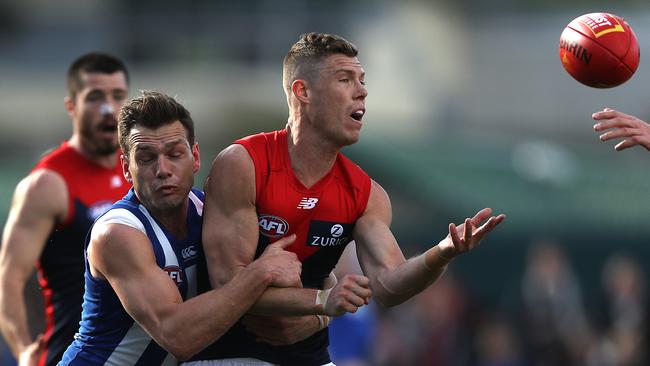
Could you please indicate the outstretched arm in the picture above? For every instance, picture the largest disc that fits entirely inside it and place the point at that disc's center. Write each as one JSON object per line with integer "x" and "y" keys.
{"x": 394, "y": 279}
{"x": 230, "y": 238}
{"x": 40, "y": 201}
{"x": 620, "y": 125}
{"x": 124, "y": 257}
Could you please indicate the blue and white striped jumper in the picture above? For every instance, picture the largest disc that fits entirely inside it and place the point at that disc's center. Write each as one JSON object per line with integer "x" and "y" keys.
{"x": 108, "y": 335}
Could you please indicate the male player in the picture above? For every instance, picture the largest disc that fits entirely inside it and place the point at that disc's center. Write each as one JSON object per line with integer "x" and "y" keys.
{"x": 54, "y": 206}
{"x": 620, "y": 125}
{"x": 296, "y": 181}
{"x": 142, "y": 255}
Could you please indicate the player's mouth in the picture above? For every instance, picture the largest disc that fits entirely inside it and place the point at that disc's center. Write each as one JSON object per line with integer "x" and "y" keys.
{"x": 358, "y": 114}
{"x": 108, "y": 128}
{"x": 167, "y": 189}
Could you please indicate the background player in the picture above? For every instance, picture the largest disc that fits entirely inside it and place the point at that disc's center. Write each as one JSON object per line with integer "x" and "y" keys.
{"x": 142, "y": 255}
{"x": 54, "y": 206}
{"x": 296, "y": 181}
{"x": 615, "y": 124}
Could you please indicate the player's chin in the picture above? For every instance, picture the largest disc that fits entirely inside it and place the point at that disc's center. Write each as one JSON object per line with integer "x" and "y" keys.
{"x": 106, "y": 146}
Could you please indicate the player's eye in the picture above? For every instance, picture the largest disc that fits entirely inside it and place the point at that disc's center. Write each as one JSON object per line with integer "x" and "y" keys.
{"x": 94, "y": 97}
{"x": 144, "y": 158}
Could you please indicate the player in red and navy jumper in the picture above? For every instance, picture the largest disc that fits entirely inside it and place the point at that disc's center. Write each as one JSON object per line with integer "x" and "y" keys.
{"x": 321, "y": 216}
{"x": 54, "y": 207}
{"x": 296, "y": 181}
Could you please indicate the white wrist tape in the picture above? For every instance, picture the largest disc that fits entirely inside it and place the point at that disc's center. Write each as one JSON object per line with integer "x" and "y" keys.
{"x": 321, "y": 297}
{"x": 323, "y": 321}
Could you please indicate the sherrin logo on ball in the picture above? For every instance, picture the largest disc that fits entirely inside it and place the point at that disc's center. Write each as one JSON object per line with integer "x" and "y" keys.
{"x": 599, "y": 50}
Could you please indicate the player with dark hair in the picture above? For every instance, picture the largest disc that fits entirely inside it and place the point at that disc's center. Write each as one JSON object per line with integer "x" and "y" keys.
{"x": 54, "y": 206}
{"x": 140, "y": 305}
{"x": 296, "y": 181}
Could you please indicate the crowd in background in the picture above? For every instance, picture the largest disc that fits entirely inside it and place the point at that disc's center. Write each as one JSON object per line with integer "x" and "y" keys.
{"x": 545, "y": 321}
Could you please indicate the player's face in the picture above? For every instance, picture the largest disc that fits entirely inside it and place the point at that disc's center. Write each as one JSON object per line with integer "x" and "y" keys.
{"x": 338, "y": 101}
{"x": 95, "y": 109}
{"x": 161, "y": 165}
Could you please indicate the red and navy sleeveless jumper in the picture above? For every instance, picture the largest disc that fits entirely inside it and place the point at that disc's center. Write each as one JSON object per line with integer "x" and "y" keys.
{"x": 321, "y": 216}
{"x": 92, "y": 189}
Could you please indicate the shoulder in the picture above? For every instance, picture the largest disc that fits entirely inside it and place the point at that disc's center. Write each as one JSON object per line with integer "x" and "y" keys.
{"x": 233, "y": 159}
{"x": 43, "y": 188}
{"x": 59, "y": 159}
{"x": 121, "y": 216}
{"x": 115, "y": 245}
{"x": 378, "y": 202}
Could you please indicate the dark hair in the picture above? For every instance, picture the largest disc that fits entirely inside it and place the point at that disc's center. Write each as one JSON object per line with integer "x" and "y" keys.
{"x": 310, "y": 49}
{"x": 152, "y": 109}
{"x": 94, "y": 62}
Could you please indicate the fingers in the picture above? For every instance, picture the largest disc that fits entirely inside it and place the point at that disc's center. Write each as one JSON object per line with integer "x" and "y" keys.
{"x": 481, "y": 215}
{"x": 348, "y": 295}
{"x": 468, "y": 230}
{"x": 488, "y": 226}
{"x": 608, "y": 113}
{"x": 610, "y": 118}
{"x": 285, "y": 242}
{"x": 620, "y": 132}
{"x": 627, "y": 143}
{"x": 471, "y": 235}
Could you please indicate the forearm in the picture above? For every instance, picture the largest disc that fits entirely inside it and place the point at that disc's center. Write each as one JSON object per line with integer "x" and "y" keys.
{"x": 203, "y": 319}
{"x": 287, "y": 302}
{"x": 393, "y": 287}
{"x": 13, "y": 318}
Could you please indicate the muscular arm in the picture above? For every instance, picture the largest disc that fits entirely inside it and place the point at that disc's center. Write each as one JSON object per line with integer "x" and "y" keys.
{"x": 40, "y": 201}
{"x": 394, "y": 279}
{"x": 151, "y": 297}
{"x": 230, "y": 237}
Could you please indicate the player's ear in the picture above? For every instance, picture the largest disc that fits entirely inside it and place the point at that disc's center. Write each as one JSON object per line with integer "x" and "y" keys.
{"x": 196, "y": 164}
{"x": 68, "y": 103}
{"x": 300, "y": 90}
{"x": 124, "y": 160}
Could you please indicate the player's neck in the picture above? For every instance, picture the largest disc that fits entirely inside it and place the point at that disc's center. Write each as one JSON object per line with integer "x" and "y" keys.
{"x": 174, "y": 220}
{"x": 106, "y": 161}
{"x": 311, "y": 157}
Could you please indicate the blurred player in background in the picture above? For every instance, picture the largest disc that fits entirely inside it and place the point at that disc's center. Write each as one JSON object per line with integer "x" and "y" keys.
{"x": 296, "y": 181}
{"x": 615, "y": 124}
{"x": 54, "y": 206}
{"x": 143, "y": 254}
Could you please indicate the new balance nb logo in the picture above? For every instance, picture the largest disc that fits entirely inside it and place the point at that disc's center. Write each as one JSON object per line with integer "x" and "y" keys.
{"x": 307, "y": 203}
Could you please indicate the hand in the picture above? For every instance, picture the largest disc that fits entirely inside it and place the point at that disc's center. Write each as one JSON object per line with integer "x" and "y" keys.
{"x": 633, "y": 130}
{"x": 468, "y": 235}
{"x": 283, "y": 265}
{"x": 32, "y": 353}
{"x": 349, "y": 294}
{"x": 281, "y": 330}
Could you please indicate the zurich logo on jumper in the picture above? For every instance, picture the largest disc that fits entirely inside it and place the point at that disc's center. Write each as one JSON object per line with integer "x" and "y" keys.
{"x": 329, "y": 234}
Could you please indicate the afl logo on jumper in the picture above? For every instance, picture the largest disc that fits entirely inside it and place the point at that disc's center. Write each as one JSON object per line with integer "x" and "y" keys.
{"x": 175, "y": 274}
{"x": 98, "y": 209}
{"x": 328, "y": 234}
{"x": 273, "y": 226}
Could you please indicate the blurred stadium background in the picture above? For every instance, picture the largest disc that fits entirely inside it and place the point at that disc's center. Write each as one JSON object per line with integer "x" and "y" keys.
{"x": 468, "y": 107}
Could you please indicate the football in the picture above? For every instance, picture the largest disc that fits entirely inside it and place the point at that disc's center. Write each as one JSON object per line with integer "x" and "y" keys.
{"x": 599, "y": 50}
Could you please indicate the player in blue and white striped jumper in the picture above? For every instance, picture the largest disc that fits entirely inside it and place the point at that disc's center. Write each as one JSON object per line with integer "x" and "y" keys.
{"x": 140, "y": 305}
